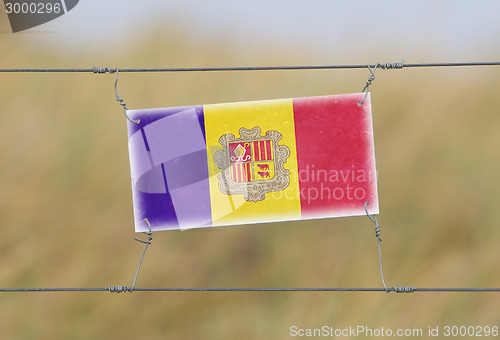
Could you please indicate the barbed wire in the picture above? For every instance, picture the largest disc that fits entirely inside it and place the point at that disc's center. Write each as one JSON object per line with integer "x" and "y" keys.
{"x": 398, "y": 65}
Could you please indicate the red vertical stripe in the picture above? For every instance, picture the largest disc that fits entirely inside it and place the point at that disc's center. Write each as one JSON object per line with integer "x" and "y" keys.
{"x": 262, "y": 148}
{"x": 335, "y": 155}
{"x": 249, "y": 175}
{"x": 256, "y": 151}
{"x": 268, "y": 149}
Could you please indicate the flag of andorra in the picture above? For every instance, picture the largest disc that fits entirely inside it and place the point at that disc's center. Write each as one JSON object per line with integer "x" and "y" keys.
{"x": 252, "y": 162}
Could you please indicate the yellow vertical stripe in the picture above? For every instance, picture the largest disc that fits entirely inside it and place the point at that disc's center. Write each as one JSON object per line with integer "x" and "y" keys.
{"x": 276, "y": 115}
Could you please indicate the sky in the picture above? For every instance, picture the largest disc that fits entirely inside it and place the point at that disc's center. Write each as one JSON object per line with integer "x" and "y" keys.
{"x": 427, "y": 30}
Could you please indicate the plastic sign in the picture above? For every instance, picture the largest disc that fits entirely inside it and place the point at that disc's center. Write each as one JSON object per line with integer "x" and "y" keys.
{"x": 252, "y": 162}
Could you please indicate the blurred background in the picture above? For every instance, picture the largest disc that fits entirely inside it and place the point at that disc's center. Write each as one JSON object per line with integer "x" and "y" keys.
{"x": 65, "y": 196}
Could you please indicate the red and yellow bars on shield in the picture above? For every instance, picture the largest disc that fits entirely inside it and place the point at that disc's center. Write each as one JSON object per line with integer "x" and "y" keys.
{"x": 241, "y": 172}
{"x": 262, "y": 150}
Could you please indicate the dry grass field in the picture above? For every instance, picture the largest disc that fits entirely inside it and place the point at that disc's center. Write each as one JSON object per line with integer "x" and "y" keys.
{"x": 66, "y": 207}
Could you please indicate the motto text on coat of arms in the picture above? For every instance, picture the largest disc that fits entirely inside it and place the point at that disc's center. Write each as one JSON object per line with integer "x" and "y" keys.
{"x": 252, "y": 165}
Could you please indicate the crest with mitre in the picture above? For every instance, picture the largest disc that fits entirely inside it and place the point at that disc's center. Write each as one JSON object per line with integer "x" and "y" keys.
{"x": 252, "y": 165}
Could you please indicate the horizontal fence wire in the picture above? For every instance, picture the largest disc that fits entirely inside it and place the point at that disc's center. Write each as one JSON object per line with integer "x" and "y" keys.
{"x": 121, "y": 289}
{"x": 249, "y": 68}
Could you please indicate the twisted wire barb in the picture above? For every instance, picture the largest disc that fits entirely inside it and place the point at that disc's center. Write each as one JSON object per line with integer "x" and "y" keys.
{"x": 393, "y": 66}
{"x": 118, "y": 289}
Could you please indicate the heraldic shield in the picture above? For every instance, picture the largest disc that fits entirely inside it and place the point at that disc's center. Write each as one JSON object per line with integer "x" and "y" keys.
{"x": 252, "y": 165}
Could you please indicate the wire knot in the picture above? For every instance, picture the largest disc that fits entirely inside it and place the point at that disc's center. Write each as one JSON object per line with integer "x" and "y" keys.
{"x": 378, "y": 232}
{"x": 103, "y": 70}
{"x": 403, "y": 289}
{"x": 368, "y": 83}
{"x": 118, "y": 289}
{"x": 374, "y": 220}
{"x": 392, "y": 66}
{"x": 147, "y": 233}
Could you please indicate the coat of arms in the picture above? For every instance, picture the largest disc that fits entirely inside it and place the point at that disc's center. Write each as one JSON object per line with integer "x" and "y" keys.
{"x": 252, "y": 165}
